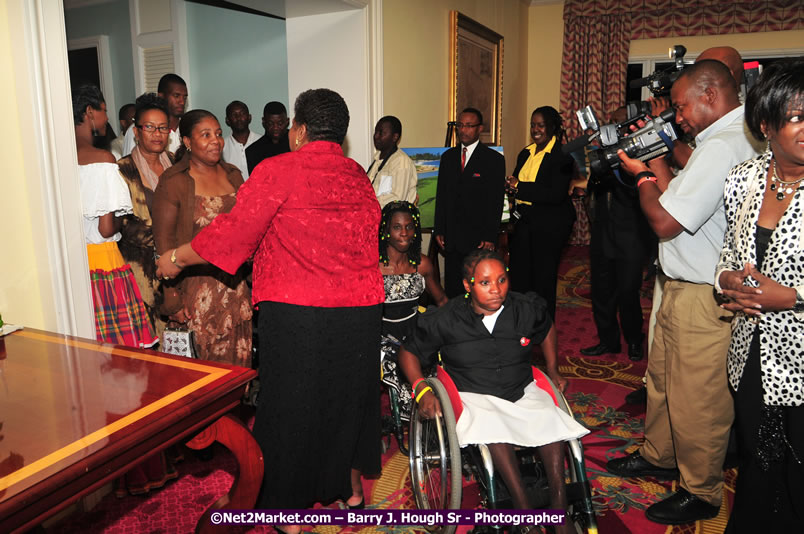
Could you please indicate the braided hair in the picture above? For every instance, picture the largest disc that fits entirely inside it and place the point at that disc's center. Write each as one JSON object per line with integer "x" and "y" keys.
{"x": 388, "y": 212}
{"x": 476, "y": 256}
{"x": 553, "y": 121}
{"x": 325, "y": 114}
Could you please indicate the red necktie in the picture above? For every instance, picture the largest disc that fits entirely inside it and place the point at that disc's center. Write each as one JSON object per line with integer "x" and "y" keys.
{"x": 463, "y": 159}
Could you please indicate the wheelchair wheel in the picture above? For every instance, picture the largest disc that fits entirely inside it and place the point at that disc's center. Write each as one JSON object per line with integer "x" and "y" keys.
{"x": 435, "y": 459}
{"x": 581, "y": 509}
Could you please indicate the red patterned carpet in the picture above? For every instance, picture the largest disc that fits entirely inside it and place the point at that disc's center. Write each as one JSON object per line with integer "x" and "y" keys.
{"x": 597, "y": 390}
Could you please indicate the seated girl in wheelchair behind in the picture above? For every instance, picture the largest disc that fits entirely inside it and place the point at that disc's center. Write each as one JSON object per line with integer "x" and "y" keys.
{"x": 485, "y": 340}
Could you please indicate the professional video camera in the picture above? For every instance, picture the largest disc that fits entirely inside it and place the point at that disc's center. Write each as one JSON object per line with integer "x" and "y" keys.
{"x": 651, "y": 140}
{"x": 661, "y": 81}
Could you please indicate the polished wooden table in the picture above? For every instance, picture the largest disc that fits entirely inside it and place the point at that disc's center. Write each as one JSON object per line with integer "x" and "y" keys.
{"x": 75, "y": 414}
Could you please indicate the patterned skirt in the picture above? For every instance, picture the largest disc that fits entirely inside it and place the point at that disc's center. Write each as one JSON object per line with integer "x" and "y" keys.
{"x": 120, "y": 314}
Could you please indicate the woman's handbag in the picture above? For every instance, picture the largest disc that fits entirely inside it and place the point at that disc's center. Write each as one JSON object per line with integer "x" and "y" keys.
{"x": 178, "y": 341}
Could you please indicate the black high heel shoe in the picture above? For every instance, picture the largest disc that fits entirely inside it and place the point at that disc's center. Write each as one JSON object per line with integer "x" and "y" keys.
{"x": 359, "y": 506}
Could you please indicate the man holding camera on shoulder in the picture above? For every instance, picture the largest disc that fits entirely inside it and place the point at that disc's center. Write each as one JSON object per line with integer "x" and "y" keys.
{"x": 621, "y": 242}
{"x": 687, "y": 381}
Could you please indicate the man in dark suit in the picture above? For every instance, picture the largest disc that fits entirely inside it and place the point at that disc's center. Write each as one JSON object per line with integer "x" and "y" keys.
{"x": 275, "y": 141}
{"x": 469, "y": 198}
{"x": 621, "y": 242}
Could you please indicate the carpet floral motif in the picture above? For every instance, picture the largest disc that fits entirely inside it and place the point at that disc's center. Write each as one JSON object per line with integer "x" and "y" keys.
{"x": 596, "y": 393}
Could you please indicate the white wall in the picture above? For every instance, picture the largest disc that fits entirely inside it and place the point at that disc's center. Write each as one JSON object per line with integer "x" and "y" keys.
{"x": 332, "y": 51}
{"x": 249, "y": 64}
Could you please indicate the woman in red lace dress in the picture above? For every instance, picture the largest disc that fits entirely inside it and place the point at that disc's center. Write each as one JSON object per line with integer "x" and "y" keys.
{"x": 310, "y": 219}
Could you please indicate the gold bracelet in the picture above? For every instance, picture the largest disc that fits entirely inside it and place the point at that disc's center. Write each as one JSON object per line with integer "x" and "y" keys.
{"x": 422, "y": 392}
{"x": 173, "y": 259}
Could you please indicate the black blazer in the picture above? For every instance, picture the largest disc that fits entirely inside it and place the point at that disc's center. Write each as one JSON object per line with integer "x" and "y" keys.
{"x": 549, "y": 193}
{"x": 263, "y": 148}
{"x": 469, "y": 204}
{"x": 619, "y": 228}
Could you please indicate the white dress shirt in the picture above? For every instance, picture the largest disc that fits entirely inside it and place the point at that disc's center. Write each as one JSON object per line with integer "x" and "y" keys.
{"x": 235, "y": 153}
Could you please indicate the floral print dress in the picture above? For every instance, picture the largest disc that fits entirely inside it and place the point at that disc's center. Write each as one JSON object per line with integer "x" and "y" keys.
{"x": 219, "y": 303}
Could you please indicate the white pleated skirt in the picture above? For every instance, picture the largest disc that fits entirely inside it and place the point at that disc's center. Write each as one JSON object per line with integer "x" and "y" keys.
{"x": 532, "y": 421}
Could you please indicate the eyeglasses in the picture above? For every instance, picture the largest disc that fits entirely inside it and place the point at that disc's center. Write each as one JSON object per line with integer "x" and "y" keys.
{"x": 466, "y": 125}
{"x": 150, "y": 128}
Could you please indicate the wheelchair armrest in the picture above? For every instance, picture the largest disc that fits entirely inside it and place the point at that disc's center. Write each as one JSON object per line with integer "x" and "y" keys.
{"x": 544, "y": 382}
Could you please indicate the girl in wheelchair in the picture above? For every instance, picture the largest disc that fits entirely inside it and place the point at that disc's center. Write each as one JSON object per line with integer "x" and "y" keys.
{"x": 406, "y": 275}
{"x": 486, "y": 340}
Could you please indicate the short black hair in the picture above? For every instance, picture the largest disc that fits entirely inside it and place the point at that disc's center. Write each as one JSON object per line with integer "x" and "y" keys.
{"x": 234, "y": 104}
{"x": 476, "y": 256}
{"x": 388, "y": 212}
{"x": 148, "y": 101}
{"x": 393, "y": 122}
{"x": 274, "y": 108}
{"x": 83, "y": 96}
{"x": 324, "y": 113}
{"x": 552, "y": 120}
{"x": 780, "y": 88}
{"x": 123, "y": 110}
{"x": 476, "y": 112}
{"x": 709, "y": 73}
{"x": 167, "y": 80}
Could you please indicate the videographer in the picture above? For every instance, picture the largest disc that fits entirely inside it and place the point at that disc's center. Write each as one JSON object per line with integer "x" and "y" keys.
{"x": 734, "y": 62}
{"x": 687, "y": 366}
{"x": 621, "y": 242}
{"x": 680, "y": 156}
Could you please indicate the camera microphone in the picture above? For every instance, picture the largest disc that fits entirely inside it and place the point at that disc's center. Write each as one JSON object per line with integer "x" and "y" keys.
{"x": 640, "y": 82}
{"x": 577, "y": 143}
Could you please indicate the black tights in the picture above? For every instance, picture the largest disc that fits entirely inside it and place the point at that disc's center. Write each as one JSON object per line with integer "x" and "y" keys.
{"x": 504, "y": 458}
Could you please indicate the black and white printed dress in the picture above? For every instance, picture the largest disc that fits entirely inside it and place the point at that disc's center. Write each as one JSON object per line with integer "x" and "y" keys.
{"x": 766, "y": 359}
{"x": 402, "y": 292}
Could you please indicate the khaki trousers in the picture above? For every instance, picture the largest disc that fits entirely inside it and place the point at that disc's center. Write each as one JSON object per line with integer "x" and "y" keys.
{"x": 690, "y": 409}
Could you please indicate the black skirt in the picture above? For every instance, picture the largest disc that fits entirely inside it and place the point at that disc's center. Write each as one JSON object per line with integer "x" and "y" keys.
{"x": 319, "y": 414}
{"x": 766, "y": 500}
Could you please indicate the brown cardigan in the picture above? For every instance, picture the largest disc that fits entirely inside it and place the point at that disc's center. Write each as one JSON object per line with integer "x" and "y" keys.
{"x": 176, "y": 190}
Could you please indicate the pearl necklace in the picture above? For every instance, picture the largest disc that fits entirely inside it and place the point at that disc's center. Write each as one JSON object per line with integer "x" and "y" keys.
{"x": 785, "y": 188}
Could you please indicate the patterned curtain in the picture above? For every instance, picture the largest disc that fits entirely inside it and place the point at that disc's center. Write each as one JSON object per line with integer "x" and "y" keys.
{"x": 598, "y": 33}
{"x": 593, "y": 66}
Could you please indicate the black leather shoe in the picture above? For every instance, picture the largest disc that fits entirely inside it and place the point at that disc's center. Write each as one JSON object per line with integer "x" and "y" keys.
{"x": 635, "y": 351}
{"x": 634, "y": 466}
{"x": 638, "y": 396}
{"x": 600, "y": 349}
{"x": 680, "y": 508}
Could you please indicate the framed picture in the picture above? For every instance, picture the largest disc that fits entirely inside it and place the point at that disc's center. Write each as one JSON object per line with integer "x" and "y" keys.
{"x": 427, "y": 162}
{"x": 476, "y": 65}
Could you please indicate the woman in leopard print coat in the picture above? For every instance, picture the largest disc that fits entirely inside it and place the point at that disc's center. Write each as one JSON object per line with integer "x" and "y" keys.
{"x": 761, "y": 275}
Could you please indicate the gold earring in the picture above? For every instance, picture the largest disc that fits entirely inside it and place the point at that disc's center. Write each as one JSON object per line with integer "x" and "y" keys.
{"x": 297, "y": 142}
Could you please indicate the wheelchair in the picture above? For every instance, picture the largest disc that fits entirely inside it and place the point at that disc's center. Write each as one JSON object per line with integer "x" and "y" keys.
{"x": 437, "y": 464}
{"x": 400, "y": 398}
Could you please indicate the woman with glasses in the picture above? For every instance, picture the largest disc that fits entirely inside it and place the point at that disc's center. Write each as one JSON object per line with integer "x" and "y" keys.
{"x": 141, "y": 170}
